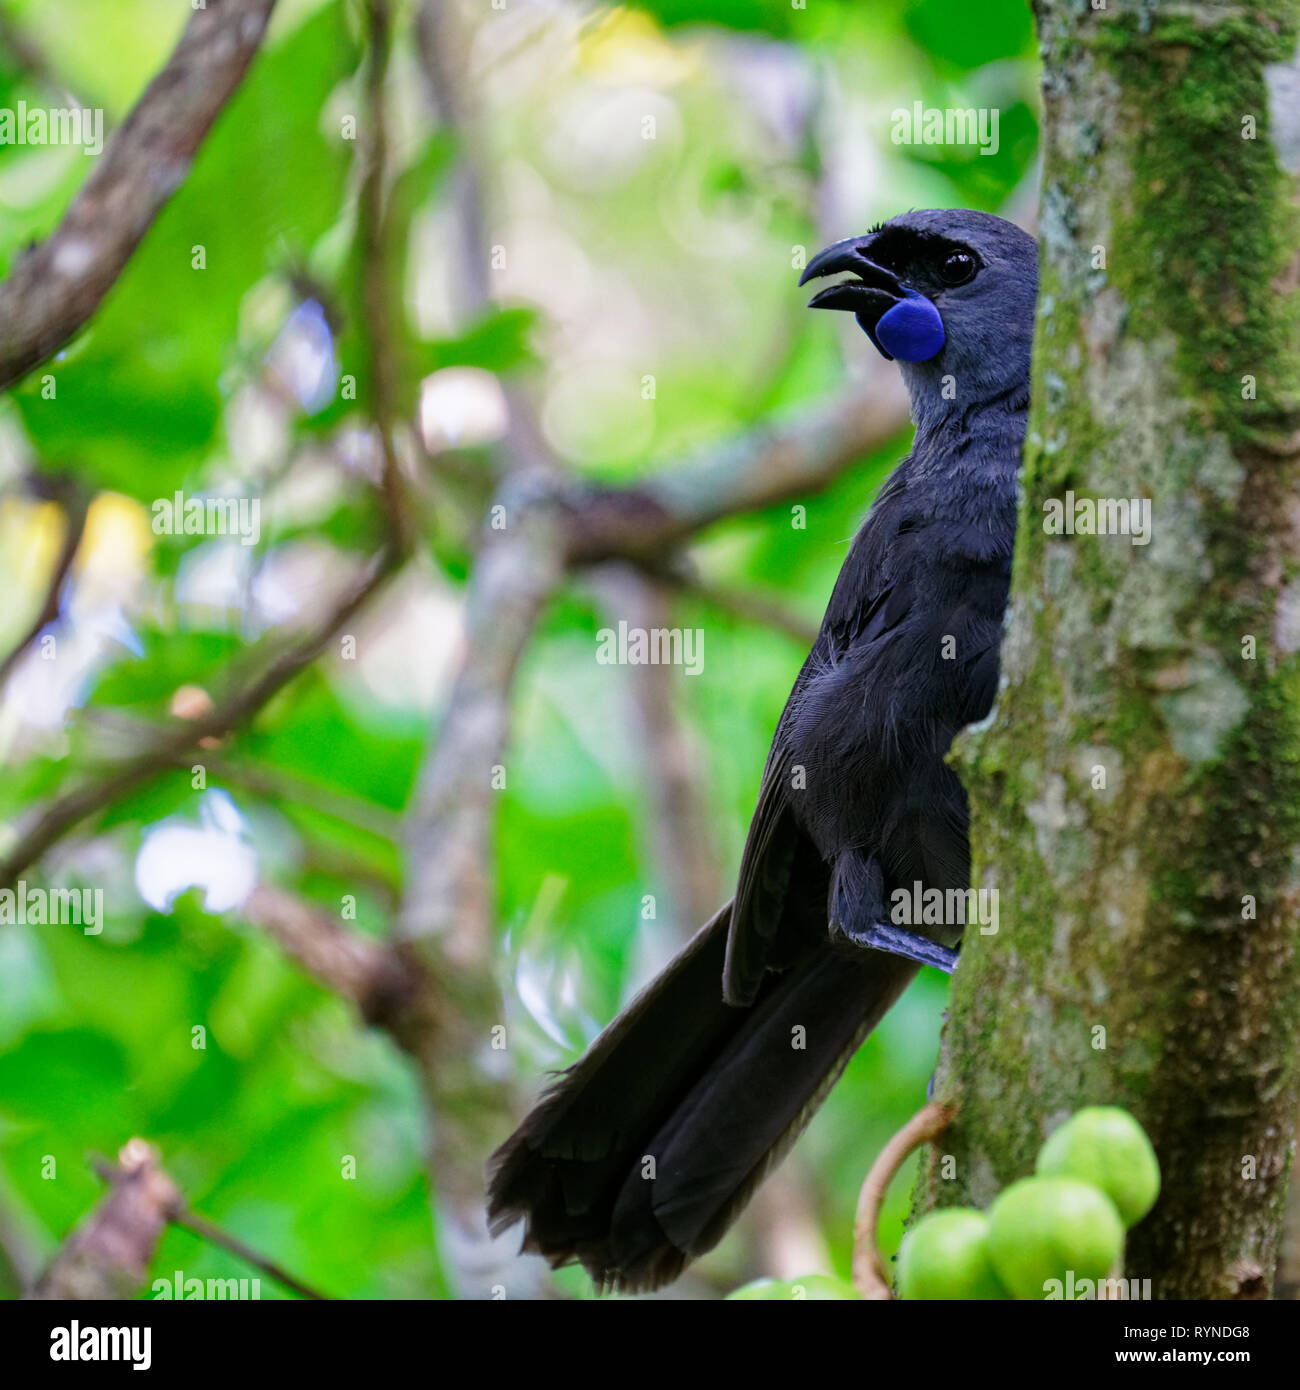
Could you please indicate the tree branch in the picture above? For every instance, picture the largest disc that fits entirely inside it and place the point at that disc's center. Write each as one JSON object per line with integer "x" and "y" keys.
{"x": 108, "y": 1256}
{"x": 772, "y": 463}
{"x": 55, "y": 287}
{"x": 517, "y": 568}
{"x": 355, "y": 967}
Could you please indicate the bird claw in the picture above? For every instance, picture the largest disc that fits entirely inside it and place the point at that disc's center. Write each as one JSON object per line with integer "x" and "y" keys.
{"x": 897, "y": 941}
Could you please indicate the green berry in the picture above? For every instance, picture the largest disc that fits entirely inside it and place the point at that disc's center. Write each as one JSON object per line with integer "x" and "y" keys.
{"x": 1042, "y": 1229}
{"x": 1106, "y": 1146}
{"x": 945, "y": 1256}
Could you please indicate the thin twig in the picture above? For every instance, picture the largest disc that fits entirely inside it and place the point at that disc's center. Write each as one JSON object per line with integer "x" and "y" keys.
{"x": 75, "y": 806}
{"x": 282, "y": 784}
{"x": 205, "y": 1230}
{"x": 869, "y": 1275}
{"x": 122, "y": 1234}
{"x": 378, "y": 301}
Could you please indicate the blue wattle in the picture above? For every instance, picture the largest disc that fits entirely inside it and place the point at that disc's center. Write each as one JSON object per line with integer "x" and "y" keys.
{"x": 911, "y": 330}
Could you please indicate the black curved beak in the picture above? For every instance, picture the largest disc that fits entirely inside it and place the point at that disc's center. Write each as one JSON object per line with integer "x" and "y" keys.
{"x": 868, "y": 296}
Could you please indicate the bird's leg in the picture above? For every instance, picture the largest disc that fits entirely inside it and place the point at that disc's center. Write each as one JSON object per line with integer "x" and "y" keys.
{"x": 898, "y": 941}
{"x": 857, "y": 909}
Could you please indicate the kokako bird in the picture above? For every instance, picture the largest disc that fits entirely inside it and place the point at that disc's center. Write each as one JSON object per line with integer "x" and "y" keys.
{"x": 641, "y": 1155}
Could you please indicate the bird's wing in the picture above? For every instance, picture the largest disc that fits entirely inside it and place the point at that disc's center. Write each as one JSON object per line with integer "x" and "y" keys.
{"x": 764, "y": 877}
{"x": 873, "y": 596}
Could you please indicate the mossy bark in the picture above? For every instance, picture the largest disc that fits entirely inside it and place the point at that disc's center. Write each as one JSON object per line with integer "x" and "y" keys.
{"x": 1136, "y": 793}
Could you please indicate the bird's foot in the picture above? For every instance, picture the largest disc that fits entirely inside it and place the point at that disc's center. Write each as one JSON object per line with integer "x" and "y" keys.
{"x": 897, "y": 941}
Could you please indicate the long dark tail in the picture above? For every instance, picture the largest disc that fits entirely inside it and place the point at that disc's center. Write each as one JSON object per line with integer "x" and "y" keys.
{"x": 641, "y": 1155}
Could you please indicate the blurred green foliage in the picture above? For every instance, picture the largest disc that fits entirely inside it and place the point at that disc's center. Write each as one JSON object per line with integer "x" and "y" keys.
{"x": 668, "y": 258}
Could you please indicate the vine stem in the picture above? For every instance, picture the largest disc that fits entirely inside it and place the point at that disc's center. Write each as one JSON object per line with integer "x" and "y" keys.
{"x": 870, "y": 1277}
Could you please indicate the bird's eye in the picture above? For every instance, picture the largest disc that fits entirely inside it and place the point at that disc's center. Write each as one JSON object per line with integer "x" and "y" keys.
{"x": 957, "y": 268}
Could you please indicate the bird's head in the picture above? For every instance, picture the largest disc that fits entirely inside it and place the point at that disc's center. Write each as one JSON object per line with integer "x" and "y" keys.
{"x": 945, "y": 292}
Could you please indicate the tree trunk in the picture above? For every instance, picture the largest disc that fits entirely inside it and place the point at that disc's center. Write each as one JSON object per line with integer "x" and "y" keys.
{"x": 1136, "y": 794}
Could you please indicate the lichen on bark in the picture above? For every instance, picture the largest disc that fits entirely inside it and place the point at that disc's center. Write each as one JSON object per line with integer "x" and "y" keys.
{"x": 1136, "y": 793}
